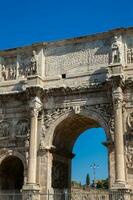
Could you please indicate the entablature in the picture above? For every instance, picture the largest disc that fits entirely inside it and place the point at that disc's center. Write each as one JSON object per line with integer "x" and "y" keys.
{"x": 69, "y": 63}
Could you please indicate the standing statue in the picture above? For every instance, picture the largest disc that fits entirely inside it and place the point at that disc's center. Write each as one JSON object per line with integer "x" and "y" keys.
{"x": 116, "y": 45}
{"x": 4, "y": 129}
{"x": 34, "y": 61}
{"x": 4, "y": 73}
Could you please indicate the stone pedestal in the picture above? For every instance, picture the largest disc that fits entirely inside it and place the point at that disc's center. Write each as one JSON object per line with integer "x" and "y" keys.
{"x": 30, "y": 192}
{"x": 120, "y": 194}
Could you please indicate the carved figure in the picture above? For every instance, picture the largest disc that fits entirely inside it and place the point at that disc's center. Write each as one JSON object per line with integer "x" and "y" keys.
{"x": 34, "y": 60}
{"x": 4, "y": 129}
{"x": 4, "y": 73}
{"x": 130, "y": 120}
{"x": 130, "y": 56}
{"x": 22, "y": 128}
{"x": 129, "y": 156}
{"x": 42, "y": 146}
{"x": 115, "y": 50}
{"x": 27, "y": 143}
{"x": 112, "y": 126}
{"x": 8, "y": 73}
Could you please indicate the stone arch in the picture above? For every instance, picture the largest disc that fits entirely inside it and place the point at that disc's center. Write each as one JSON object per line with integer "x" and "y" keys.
{"x": 16, "y": 154}
{"x": 87, "y": 113}
{"x": 11, "y": 172}
{"x": 62, "y": 135}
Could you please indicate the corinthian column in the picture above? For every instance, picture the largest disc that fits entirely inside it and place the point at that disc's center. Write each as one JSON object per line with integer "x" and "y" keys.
{"x": 118, "y": 137}
{"x": 35, "y": 106}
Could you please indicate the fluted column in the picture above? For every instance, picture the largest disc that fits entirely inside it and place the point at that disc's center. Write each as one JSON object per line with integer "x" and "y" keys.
{"x": 118, "y": 136}
{"x": 35, "y": 106}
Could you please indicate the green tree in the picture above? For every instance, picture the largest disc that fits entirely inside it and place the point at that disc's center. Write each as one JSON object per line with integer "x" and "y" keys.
{"x": 87, "y": 180}
{"x": 103, "y": 184}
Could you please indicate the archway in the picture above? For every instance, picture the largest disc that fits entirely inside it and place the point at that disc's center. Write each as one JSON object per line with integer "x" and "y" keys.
{"x": 11, "y": 174}
{"x": 64, "y": 138}
{"x": 90, "y": 163}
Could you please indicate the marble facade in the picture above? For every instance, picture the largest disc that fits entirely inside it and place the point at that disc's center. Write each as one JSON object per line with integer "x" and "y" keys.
{"x": 51, "y": 92}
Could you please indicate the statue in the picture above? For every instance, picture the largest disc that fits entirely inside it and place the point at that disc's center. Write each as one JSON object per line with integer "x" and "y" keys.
{"x": 4, "y": 73}
{"x": 34, "y": 61}
{"x": 115, "y": 50}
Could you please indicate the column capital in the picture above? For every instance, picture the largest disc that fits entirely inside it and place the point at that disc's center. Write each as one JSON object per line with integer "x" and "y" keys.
{"x": 35, "y": 106}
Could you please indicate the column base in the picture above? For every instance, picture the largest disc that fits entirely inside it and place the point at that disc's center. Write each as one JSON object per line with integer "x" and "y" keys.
{"x": 120, "y": 191}
{"x": 30, "y": 192}
{"x": 120, "y": 186}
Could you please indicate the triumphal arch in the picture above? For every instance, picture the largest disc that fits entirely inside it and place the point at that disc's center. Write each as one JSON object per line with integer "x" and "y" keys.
{"x": 53, "y": 91}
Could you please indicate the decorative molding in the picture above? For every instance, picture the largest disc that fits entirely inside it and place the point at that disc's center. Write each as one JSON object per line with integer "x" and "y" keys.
{"x": 51, "y": 115}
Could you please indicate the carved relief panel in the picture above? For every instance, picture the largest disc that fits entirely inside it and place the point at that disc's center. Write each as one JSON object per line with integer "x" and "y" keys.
{"x": 129, "y": 156}
{"x": 10, "y": 131}
{"x": 130, "y": 122}
{"x": 28, "y": 63}
{"x": 22, "y": 128}
{"x": 20, "y": 64}
{"x": 59, "y": 175}
{"x": 129, "y": 49}
{"x": 4, "y": 129}
{"x": 9, "y": 68}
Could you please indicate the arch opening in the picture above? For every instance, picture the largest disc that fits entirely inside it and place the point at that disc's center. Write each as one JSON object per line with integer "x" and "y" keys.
{"x": 11, "y": 174}
{"x": 66, "y": 134}
{"x": 91, "y": 160}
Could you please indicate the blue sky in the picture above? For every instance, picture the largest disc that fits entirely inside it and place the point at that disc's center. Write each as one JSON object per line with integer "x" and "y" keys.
{"x": 23, "y": 22}
{"x": 89, "y": 149}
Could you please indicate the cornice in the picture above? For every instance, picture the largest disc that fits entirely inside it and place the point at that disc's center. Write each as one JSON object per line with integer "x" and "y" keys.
{"x": 32, "y": 91}
{"x": 55, "y": 91}
{"x": 84, "y": 38}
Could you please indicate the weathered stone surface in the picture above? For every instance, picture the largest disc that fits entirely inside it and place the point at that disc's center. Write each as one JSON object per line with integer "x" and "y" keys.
{"x": 51, "y": 92}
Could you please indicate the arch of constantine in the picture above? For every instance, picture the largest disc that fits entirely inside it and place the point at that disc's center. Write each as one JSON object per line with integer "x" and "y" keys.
{"x": 49, "y": 94}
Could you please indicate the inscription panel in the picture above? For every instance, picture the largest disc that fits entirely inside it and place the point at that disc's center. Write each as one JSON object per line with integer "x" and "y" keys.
{"x": 81, "y": 57}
